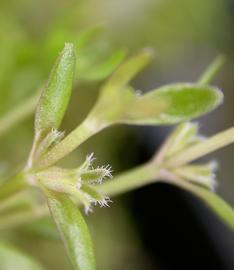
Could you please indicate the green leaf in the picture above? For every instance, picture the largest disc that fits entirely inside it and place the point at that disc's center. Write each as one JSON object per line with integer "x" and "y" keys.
{"x": 87, "y": 36}
{"x": 126, "y": 72}
{"x": 55, "y": 97}
{"x": 73, "y": 230}
{"x": 97, "y": 60}
{"x": 99, "y": 71}
{"x": 12, "y": 258}
{"x": 177, "y": 103}
{"x": 43, "y": 227}
{"x": 212, "y": 200}
{"x": 141, "y": 110}
{"x": 220, "y": 207}
{"x": 166, "y": 105}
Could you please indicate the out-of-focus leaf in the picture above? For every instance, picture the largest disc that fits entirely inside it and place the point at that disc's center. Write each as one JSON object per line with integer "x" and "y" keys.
{"x": 127, "y": 71}
{"x": 100, "y": 71}
{"x": 55, "y": 98}
{"x": 86, "y": 36}
{"x": 116, "y": 90}
{"x": 73, "y": 230}
{"x": 221, "y": 208}
{"x": 178, "y": 102}
{"x": 11, "y": 258}
{"x": 18, "y": 113}
{"x": 212, "y": 200}
{"x": 43, "y": 227}
{"x": 96, "y": 59}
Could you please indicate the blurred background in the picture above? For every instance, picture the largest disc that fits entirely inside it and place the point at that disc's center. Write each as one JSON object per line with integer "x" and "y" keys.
{"x": 159, "y": 226}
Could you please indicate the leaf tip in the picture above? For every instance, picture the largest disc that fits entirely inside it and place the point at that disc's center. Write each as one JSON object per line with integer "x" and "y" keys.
{"x": 148, "y": 53}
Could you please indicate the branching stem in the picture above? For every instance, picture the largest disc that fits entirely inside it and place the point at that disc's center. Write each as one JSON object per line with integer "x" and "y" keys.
{"x": 203, "y": 148}
{"x": 86, "y": 130}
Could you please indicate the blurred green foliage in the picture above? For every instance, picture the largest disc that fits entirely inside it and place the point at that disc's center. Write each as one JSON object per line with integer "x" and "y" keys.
{"x": 32, "y": 32}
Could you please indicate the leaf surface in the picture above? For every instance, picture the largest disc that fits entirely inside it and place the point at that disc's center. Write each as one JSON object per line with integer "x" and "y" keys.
{"x": 55, "y": 97}
{"x": 73, "y": 230}
{"x": 173, "y": 103}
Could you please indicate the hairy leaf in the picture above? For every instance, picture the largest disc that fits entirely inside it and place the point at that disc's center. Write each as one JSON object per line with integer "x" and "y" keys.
{"x": 56, "y": 95}
{"x": 73, "y": 230}
{"x": 170, "y": 104}
{"x": 176, "y": 103}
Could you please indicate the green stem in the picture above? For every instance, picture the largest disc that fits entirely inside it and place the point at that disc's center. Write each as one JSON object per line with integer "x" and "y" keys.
{"x": 132, "y": 179}
{"x": 87, "y": 129}
{"x": 201, "y": 149}
{"x": 145, "y": 174}
{"x": 151, "y": 172}
{"x": 140, "y": 176}
{"x": 212, "y": 70}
